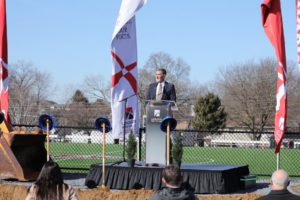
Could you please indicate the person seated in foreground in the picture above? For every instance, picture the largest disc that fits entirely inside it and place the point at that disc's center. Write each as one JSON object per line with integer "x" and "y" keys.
{"x": 279, "y": 183}
{"x": 50, "y": 185}
{"x": 172, "y": 179}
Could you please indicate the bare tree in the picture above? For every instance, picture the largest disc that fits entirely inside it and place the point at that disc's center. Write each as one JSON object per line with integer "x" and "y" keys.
{"x": 197, "y": 90}
{"x": 178, "y": 72}
{"x": 41, "y": 89}
{"x": 248, "y": 91}
{"x": 96, "y": 87}
{"x": 145, "y": 78}
{"x": 77, "y": 113}
{"x": 27, "y": 88}
{"x": 80, "y": 112}
{"x": 293, "y": 79}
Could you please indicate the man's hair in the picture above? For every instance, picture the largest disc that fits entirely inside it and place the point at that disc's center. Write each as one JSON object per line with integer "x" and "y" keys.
{"x": 172, "y": 175}
{"x": 164, "y": 71}
{"x": 280, "y": 178}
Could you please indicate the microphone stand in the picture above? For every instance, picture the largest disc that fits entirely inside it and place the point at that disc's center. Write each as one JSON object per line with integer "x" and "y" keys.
{"x": 124, "y": 125}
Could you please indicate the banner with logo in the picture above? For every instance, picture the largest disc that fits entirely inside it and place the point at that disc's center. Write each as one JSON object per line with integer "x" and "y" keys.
{"x": 3, "y": 62}
{"x": 124, "y": 99}
{"x": 273, "y": 26}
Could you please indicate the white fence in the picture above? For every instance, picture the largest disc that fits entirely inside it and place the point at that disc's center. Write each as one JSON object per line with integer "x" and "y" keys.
{"x": 80, "y": 137}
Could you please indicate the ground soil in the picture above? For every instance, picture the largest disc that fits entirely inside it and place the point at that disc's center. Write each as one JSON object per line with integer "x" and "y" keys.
{"x": 18, "y": 192}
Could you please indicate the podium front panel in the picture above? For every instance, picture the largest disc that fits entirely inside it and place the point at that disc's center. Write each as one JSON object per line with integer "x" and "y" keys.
{"x": 155, "y": 138}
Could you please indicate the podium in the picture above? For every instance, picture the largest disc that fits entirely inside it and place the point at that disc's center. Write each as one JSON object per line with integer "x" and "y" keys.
{"x": 155, "y": 138}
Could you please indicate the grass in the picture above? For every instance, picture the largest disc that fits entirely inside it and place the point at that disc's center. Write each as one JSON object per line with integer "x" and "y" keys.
{"x": 260, "y": 161}
{"x": 78, "y": 155}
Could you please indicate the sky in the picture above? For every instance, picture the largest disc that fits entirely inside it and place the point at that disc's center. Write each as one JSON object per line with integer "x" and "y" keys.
{"x": 71, "y": 39}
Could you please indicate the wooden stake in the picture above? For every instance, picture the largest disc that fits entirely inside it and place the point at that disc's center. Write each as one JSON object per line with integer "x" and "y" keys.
{"x": 48, "y": 141}
{"x": 103, "y": 155}
{"x": 168, "y": 142}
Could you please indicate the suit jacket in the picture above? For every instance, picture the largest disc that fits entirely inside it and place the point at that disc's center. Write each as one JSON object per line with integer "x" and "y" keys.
{"x": 169, "y": 92}
{"x": 279, "y": 194}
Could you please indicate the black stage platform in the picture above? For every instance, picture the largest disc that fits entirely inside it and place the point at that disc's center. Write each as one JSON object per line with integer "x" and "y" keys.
{"x": 202, "y": 178}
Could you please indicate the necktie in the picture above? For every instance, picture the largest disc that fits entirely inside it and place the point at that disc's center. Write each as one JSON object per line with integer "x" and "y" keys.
{"x": 159, "y": 92}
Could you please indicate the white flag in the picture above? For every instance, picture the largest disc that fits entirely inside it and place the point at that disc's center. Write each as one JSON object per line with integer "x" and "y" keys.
{"x": 124, "y": 71}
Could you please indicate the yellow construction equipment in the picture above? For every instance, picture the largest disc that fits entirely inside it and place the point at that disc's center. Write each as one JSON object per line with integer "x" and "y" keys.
{"x": 22, "y": 152}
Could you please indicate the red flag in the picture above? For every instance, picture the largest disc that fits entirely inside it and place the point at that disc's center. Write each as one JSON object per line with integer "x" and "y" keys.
{"x": 3, "y": 62}
{"x": 273, "y": 26}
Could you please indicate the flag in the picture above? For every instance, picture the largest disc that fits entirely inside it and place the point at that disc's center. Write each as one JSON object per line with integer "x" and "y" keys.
{"x": 298, "y": 30}
{"x": 124, "y": 98}
{"x": 273, "y": 26}
{"x": 3, "y": 62}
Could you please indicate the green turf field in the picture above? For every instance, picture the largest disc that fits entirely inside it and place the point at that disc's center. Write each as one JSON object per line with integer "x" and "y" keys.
{"x": 260, "y": 161}
{"x": 78, "y": 155}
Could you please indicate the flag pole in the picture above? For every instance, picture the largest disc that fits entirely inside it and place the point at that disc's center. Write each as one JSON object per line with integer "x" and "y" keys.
{"x": 48, "y": 146}
{"x": 103, "y": 154}
{"x": 124, "y": 129}
{"x": 168, "y": 142}
{"x": 278, "y": 160}
{"x": 273, "y": 27}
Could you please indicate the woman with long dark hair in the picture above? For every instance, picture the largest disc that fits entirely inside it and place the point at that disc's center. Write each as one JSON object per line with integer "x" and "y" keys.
{"x": 50, "y": 185}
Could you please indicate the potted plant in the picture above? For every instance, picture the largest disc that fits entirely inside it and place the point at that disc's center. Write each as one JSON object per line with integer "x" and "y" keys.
{"x": 177, "y": 150}
{"x": 131, "y": 145}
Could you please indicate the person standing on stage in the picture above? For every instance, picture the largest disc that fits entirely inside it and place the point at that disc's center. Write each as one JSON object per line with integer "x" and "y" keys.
{"x": 161, "y": 89}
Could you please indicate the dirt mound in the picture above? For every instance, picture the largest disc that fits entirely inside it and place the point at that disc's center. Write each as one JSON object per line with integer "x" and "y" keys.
{"x": 98, "y": 193}
{"x": 12, "y": 192}
{"x": 17, "y": 192}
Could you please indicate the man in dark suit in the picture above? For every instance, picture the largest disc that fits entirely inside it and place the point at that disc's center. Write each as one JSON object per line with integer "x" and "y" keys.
{"x": 279, "y": 183}
{"x": 161, "y": 89}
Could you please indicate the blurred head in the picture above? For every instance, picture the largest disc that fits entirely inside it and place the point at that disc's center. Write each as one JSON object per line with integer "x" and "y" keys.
{"x": 51, "y": 172}
{"x": 171, "y": 176}
{"x": 50, "y": 182}
{"x": 160, "y": 75}
{"x": 280, "y": 180}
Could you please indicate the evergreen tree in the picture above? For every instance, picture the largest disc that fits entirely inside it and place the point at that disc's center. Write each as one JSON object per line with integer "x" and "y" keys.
{"x": 78, "y": 112}
{"x": 177, "y": 149}
{"x": 131, "y": 146}
{"x": 209, "y": 113}
{"x": 79, "y": 97}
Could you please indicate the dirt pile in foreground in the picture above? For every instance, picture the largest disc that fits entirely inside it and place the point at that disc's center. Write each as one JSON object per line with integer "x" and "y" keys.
{"x": 17, "y": 192}
{"x": 12, "y": 192}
